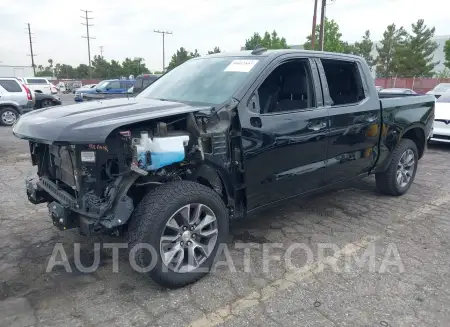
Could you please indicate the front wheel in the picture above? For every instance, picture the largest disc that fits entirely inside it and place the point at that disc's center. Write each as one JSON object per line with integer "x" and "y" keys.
{"x": 399, "y": 176}
{"x": 176, "y": 231}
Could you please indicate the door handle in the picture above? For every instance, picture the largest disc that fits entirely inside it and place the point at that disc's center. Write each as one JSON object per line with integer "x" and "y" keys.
{"x": 256, "y": 122}
{"x": 371, "y": 119}
{"x": 318, "y": 127}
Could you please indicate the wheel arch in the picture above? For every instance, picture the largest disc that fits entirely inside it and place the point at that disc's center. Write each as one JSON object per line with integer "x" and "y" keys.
{"x": 214, "y": 178}
{"x": 416, "y": 133}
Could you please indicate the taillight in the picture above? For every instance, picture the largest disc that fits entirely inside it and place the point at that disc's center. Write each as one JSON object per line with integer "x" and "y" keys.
{"x": 28, "y": 92}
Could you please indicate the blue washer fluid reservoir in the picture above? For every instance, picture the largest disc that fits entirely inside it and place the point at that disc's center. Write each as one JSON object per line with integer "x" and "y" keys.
{"x": 162, "y": 151}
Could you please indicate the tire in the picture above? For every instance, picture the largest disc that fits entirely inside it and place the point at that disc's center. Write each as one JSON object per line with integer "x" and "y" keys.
{"x": 148, "y": 224}
{"x": 387, "y": 181}
{"x": 8, "y": 116}
{"x": 46, "y": 103}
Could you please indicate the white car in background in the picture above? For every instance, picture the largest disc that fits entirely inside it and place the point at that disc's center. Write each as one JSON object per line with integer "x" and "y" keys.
{"x": 440, "y": 89}
{"x": 441, "y": 126}
{"x": 38, "y": 84}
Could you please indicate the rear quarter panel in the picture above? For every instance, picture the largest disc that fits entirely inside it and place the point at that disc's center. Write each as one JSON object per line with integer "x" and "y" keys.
{"x": 401, "y": 115}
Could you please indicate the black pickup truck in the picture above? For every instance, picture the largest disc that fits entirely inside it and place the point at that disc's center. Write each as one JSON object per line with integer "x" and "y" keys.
{"x": 214, "y": 140}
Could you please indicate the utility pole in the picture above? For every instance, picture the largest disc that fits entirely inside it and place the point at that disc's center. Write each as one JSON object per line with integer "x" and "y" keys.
{"x": 322, "y": 22}
{"x": 101, "y": 51}
{"x": 31, "y": 50}
{"x": 163, "y": 48}
{"x": 86, "y": 17}
{"x": 313, "y": 33}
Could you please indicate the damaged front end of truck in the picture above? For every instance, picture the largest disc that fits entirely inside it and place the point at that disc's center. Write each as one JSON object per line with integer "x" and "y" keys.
{"x": 95, "y": 183}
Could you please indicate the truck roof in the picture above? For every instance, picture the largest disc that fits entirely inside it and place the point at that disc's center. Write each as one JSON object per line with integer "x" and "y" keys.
{"x": 276, "y": 53}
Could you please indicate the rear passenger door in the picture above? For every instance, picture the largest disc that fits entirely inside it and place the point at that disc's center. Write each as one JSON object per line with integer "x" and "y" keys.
{"x": 354, "y": 118}
{"x": 284, "y": 129}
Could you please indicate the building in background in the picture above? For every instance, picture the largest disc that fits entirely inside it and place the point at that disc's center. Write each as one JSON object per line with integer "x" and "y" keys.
{"x": 15, "y": 71}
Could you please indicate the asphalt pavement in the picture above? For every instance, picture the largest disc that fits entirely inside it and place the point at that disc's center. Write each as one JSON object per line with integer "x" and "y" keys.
{"x": 357, "y": 258}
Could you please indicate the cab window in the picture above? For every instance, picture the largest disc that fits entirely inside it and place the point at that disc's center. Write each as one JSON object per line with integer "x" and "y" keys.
{"x": 287, "y": 88}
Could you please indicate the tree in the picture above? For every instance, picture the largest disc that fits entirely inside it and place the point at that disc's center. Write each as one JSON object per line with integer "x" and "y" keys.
{"x": 50, "y": 62}
{"x": 445, "y": 73}
{"x": 194, "y": 54}
{"x": 269, "y": 41}
{"x": 66, "y": 71}
{"x": 332, "y": 39}
{"x": 416, "y": 56}
{"x": 215, "y": 50}
{"x": 180, "y": 57}
{"x": 388, "y": 53}
{"x": 82, "y": 71}
{"x": 101, "y": 67}
{"x": 447, "y": 54}
{"x": 134, "y": 67}
{"x": 364, "y": 49}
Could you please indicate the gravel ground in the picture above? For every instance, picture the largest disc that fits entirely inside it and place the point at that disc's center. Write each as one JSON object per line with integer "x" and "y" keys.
{"x": 401, "y": 279}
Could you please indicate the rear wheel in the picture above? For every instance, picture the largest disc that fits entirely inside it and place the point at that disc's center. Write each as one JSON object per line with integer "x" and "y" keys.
{"x": 47, "y": 103}
{"x": 8, "y": 116}
{"x": 399, "y": 176}
{"x": 176, "y": 231}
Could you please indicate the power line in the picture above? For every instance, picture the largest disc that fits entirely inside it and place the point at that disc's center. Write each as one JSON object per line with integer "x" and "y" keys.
{"x": 163, "y": 46}
{"x": 86, "y": 17}
{"x": 32, "y": 55}
{"x": 101, "y": 51}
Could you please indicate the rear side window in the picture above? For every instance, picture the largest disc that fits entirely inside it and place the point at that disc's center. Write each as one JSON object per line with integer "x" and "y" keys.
{"x": 10, "y": 85}
{"x": 126, "y": 85}
{"x": 344, "y": 81}
{"x": 36, "y": 81}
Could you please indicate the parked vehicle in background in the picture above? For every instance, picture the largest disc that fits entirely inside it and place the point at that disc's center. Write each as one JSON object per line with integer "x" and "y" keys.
{"x": 15, "y": 99}
{"x": 441, "y": 126}
{"x": 214, "y": 140}
{"x": 396, "y": 91}
{"x": 38, "y": 84}
{"x": 84, "y": 88}
{"x": 440, "y": 89}
{"x": 104, "y": 88}
{"x": 142, "y": 81}
{"x": 46, "y": 100}
{"x": 53, "y": 89}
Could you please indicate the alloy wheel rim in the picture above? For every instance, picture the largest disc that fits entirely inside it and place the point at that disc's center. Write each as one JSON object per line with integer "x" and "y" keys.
{"x": 9, "y": 117}
{"x": 189, "y": 237}
{"x": 405, "y": 168}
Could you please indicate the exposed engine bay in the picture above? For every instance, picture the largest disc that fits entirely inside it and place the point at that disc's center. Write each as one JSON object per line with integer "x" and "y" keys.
{"x": 97, "y": 186}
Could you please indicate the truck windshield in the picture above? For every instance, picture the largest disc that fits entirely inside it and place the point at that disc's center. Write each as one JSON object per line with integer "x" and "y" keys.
{"x": 203, "y": 80}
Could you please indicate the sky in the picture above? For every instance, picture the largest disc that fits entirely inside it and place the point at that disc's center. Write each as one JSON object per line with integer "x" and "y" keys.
{"x": 125, "y": 28}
